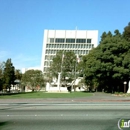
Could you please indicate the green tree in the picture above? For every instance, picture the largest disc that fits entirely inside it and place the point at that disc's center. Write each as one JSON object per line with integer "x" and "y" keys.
{"x": 18, "y": 74}
{"x": 69, "y": 65}
{"x": 64, "y": 62}
{"x": 33, "y": 78}
{"x": 1, "y": 75}
{"x": 104, "y": 35}
{"x": 126, "y": 33}
{"x": 117, "y": 33}
{"x": 56, "y": 64}
{"x": 108, "y": 64}
{"x": 9, "y": 74}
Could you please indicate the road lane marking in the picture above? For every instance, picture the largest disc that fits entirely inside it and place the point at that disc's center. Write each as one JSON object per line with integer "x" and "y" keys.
{"x": 63, "y": 115}
{"x": 77, "y": 104}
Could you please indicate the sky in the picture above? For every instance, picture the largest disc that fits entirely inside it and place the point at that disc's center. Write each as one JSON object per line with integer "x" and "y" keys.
{"x": 22, "y": 24}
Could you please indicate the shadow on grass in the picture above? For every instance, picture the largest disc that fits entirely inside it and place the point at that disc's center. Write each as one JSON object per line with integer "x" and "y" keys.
{"x": 8, "y": 94}
{"x": 88, "y": 91}
{"x": 3, "y": 124}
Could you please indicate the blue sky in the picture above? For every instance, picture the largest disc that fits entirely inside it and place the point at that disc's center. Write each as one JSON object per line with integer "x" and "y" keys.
{"x": 22, "y": 23}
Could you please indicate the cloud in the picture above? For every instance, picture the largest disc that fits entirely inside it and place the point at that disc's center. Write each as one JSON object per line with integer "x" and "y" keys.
{"x": 25, "y": 61}
{"x": 21, "y": 60}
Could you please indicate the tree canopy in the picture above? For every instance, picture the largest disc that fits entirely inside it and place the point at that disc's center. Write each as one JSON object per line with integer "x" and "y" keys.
{"x": 33, "y": 79}
{"x": 66, "y": 63}
{"x": 108, "y": 65}
{"x": 8, "y": 74}
{"x": 1, "y": 75}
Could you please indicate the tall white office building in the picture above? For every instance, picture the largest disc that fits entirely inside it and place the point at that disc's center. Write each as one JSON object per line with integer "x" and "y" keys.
{"x": 78, "y": 41}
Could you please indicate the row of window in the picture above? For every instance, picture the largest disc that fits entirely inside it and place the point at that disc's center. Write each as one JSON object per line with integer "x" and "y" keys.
{"x": 70, "y": 46}
{"x": 47, "y": 63}
{"x": 69, "y": 40}
{"x": 75, "y": 51}
{"x": 49, "y": 57}
{"x": 46, "y": 69}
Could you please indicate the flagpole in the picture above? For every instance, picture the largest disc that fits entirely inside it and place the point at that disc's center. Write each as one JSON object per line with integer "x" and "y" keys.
{"x": 60, "y": 74}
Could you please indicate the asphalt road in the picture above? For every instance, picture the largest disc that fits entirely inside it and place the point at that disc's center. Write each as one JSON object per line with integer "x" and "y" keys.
{"x": 66, "y": 116}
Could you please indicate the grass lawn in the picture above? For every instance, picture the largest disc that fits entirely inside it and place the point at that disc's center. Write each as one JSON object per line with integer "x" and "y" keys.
{"x": 46, "y": 95}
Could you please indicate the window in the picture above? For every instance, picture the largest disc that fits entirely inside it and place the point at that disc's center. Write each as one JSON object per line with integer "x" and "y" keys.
{"x": 86, "y": 51}
{"x": 50, "y": 57}
{"x": 88, "y": 40}
{"x": 50, "y": 63}
{"x": 50, "y": 45}
{"x": 45, "y": 57}
{"x": 44, "y": 68}
{"x": 46, "y": 51}
{"x": 45, "y": 63}
{"x": 50, "y": 40}
{"x": 81, "y": 45}
{"x": 54, "y": 51}
{"x": 59, "y": 40}
{"x": 86, "y": 46}
{"x": 49, "y": 51}
{"x": 80, "y": 40}
{"x": 47, "y": 45}
{"x": 81, "y": 52}
{"x": 70, "y": 40}
{"x": 58, "y": 46}
{"x": 54, "y": 45}
{"x": 73, "y": 45}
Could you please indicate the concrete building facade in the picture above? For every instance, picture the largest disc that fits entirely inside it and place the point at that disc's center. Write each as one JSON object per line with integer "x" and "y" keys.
{"x": 78, "y": 41}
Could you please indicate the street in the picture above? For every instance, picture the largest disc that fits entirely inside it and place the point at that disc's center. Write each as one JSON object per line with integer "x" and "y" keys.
{"x": 63, "y": 116}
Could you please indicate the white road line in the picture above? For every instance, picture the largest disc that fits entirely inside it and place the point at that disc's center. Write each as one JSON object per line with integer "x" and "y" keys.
{"x": 81, "y": 104}
{"x": 62, "y": 115}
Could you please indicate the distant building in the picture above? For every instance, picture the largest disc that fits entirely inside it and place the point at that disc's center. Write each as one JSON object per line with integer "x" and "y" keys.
{"x": 78, "y": 41}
